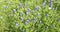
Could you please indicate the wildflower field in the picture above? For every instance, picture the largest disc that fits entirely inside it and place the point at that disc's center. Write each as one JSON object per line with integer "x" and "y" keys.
{"x": 29, "y": 15}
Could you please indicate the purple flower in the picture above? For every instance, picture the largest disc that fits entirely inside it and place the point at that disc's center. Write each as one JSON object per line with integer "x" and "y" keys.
{"x": 44, "y": 4}
{"x": 37, "y": 8}
{"x": 22, "y": 19}
{"x": 35, "y": 19}
{"x": 17, "y": 24}
{"x": 23, "y": 31}
{"x": 46, "y": 14}
{"x": 21, "y": 5}
{"x": 14, "y": 10}
{"x": 27, "y": 21}
{"x": 50, "y": 4}
{"x": 21, "y": 14}
{"x": 5, "y": 6}
{"x": 27, "y": 13}
{"x": 58, "y": 19}
{"x": 47, "y": 28}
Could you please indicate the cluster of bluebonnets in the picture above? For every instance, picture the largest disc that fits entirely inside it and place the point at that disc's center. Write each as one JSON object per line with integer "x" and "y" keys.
{"x": 29, "y": 15}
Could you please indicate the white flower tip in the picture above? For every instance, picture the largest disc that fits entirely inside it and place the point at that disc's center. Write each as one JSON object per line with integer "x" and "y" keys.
{"x": 50, "y": 8}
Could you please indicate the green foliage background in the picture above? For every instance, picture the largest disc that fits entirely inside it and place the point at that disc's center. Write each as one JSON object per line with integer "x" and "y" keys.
{"x": 10, "y": 21}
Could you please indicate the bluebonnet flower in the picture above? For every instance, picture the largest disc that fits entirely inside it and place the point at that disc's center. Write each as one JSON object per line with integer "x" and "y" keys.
{"x": 14, "y": 10}
{"x": 47, "y": 28}
{"x": 27, "y": 21}
{"x": 50, "y": 4}
{"x": 37, "y": 8}
{"x": 5, "y": 6}
{"x": 21, "y": 14}
{"x": 46, "y": 14}
{"x": 17, "y": 24}
{"x": 22, "y": 19}
{"x": 44, "y": 4}
{"x": 58, "y": 19}
{"x": 35, "y": 19}
{"x": 27, "y": 13}
{"x": 21, "y": 5}
{"x": 23, "y": 31}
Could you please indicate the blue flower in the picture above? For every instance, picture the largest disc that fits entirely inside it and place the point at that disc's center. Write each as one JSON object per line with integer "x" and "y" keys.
{"x": 17, "y": 24}
{"x": 37, "y": 8}
{"x": 46, "y": 14}
{"x": 27, "y": 21}
{"x": 14, "y": 10}
{"x": 22, "y": 19}
{"x": 35, "y": 19}
{"x": 58, "y": 19}
{"x": 21, "y": 14}
{"x": 21, "y": 5}
{"x": 47, "y": 28}
{"x": 27, "y": 12}
{"x": 23, "y": 31}
{"x": 5, "y": 6}
{"x": 44, "y": 4}
{"x": 50, "y": 4}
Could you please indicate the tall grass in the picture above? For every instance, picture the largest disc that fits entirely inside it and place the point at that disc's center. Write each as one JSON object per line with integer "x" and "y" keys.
{"x": 29, "y": 15}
